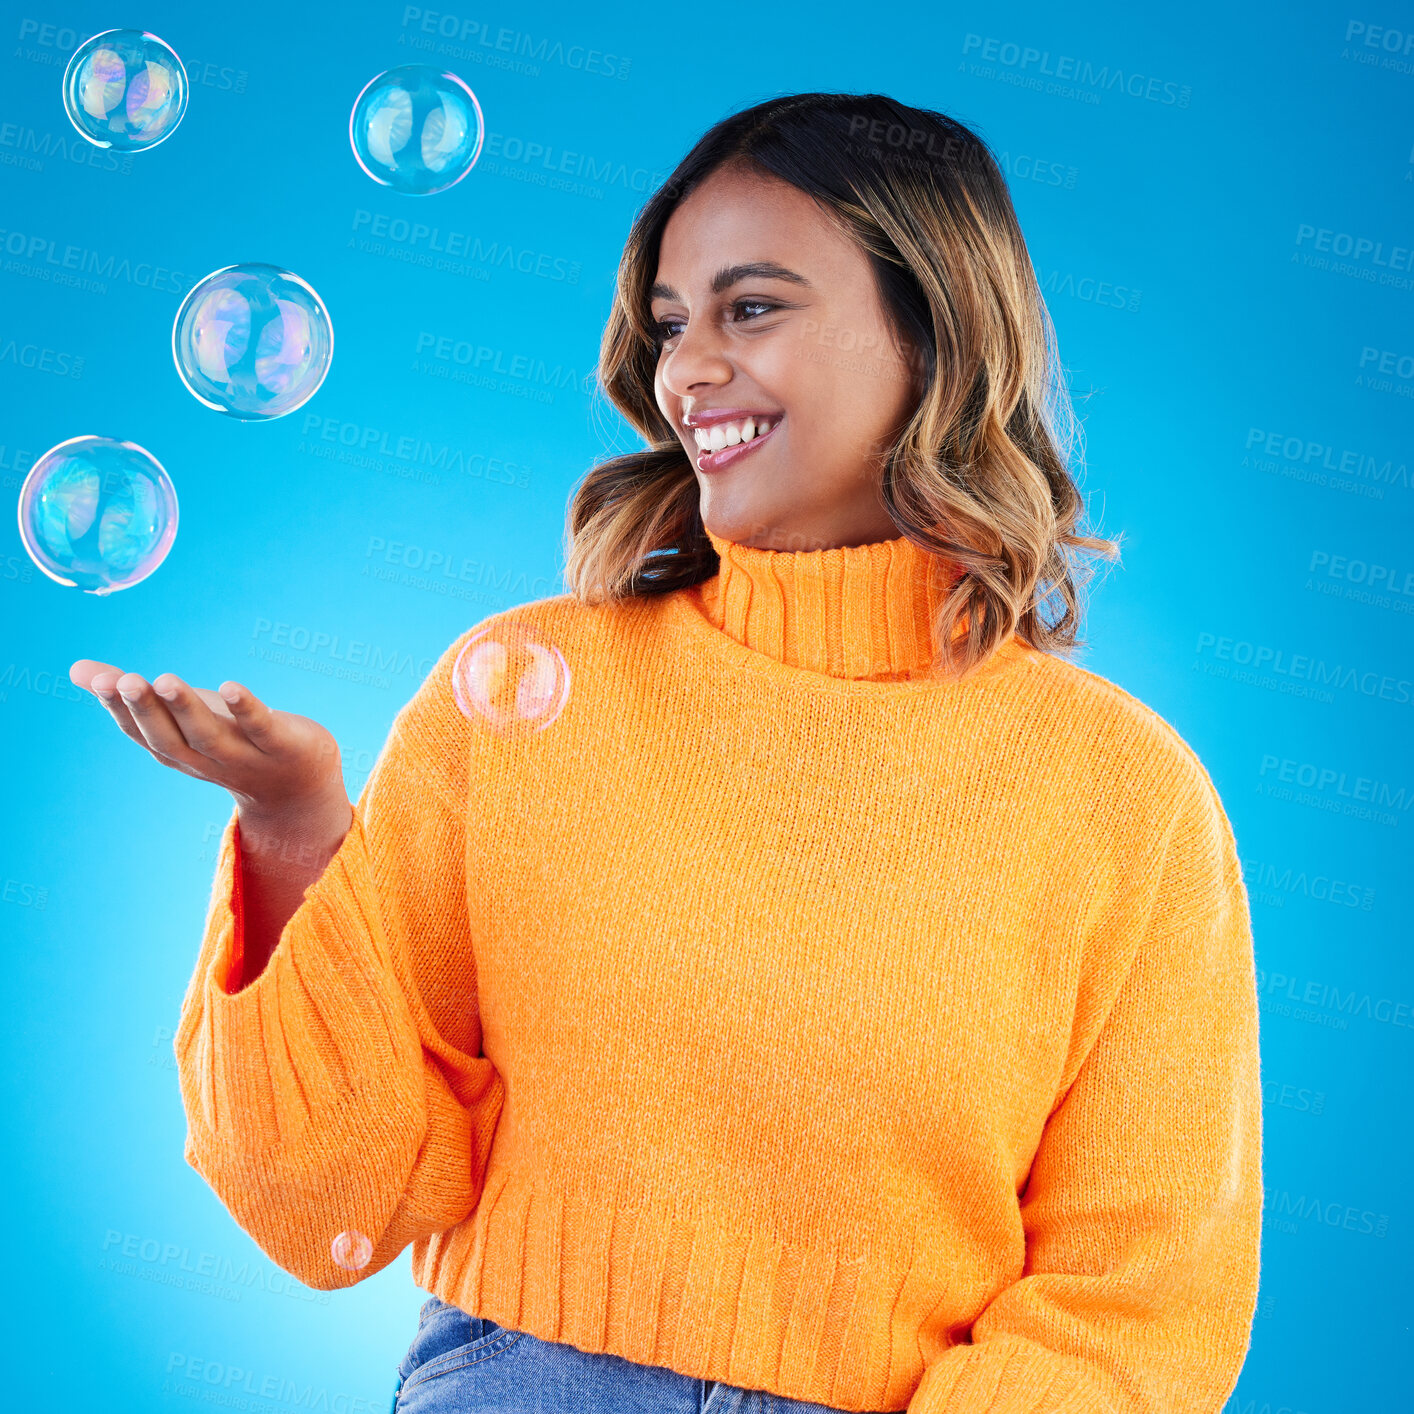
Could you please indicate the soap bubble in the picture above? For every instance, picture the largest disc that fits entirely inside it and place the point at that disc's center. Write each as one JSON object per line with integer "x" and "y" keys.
{"x": 97, "y": 514}
{"x": 508, "y": 679}
{"x": 252, "y": 341}
{"x": 125, "y": 89}
{"x": 351, "y": 1250}
{"x": 416, "y": 129}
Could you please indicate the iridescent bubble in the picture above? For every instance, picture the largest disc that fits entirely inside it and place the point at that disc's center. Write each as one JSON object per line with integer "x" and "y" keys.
{"x": 417, "y": 129}
{"x": 97, "y": 514}
{"x": 252, "y": 341}
{"x": 508, "y": 679}
{"x": 125, "y": 89}
{"x": 351, "y": 1250}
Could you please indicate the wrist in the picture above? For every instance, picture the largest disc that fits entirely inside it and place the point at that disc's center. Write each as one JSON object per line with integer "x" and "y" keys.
{"x": 308, "y": 820}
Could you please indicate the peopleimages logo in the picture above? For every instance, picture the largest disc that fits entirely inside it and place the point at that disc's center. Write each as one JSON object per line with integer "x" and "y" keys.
{"x": 161, "y": 1260}
{"x": 234, "y": 1387}
{"x": 547, "y": 158}
{"x": 1328, "y": 996}
{"x": 41, "y": 681}
{"x": 1326, "y": 458}
{"x": 44, "y": 43}
{"x": 42, "y": 257}
{"x": 1337, "y": 781}
{"x": 446, "y": 349}
{"x": 450, "y": 564}
{"x": 434, "y": 241}
{"x": 41, "y": 358}
{"x": 1401, "y": 365}
{"x": 459, "y": 37}
{"x": 358, "y": 445}
{"x": 51, "y": 36}
{"x": 1379, "y": 46}
{"x": 1091, "y": 290}
{"x": 21, "y": 146}
{"x": 1280, "y": 666}
{"x": 330, "y": 654}
{"x": 1394, "y": 579}
{"x": 1315, "y": 887}
{"x": 1358, "y": 248}
{"x": 1039, "y": 64}
{"x": 1357, "y": 257}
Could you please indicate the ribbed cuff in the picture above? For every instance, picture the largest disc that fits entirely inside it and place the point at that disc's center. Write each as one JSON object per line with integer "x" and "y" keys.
{"x": 325, "y": 1018}
{"x": 1007, "y": 1375}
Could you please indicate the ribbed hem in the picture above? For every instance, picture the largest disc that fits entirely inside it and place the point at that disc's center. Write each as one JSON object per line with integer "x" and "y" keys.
{"x": 1007, "y": 1375}
{"x": 320, "y": 1025}
{"x": 858, "y": 611}
{"x": 651, "y": 1283}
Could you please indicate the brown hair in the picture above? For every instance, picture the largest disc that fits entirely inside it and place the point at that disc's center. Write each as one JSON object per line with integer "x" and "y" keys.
{"x": 979, "y": 475}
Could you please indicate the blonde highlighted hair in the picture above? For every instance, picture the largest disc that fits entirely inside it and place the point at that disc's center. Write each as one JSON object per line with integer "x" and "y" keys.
{"x": 981, "y": 473}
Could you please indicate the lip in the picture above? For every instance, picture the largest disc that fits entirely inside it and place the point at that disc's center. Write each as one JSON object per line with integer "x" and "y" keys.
{"x": 709, "y": 417}
{"x": 719, "y": 461}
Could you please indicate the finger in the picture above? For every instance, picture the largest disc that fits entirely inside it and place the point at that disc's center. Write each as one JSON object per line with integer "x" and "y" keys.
{"x": 156, "y": 725}
{"x": 252, "y": 716}
{"x": 104, "y": 685}
{"x": 215, "y": 736}
{"x": 120, "y": 714}
{"x": 84, "y": 672}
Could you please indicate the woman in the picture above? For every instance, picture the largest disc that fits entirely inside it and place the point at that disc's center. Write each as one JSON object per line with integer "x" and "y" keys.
{"x": 814, "y": 991}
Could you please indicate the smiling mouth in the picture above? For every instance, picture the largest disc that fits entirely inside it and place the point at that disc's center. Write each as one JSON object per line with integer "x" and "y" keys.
{"x": 727, "y": 456}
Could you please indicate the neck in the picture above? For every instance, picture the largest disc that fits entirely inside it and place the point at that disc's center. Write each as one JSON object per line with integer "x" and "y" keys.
{"x": 855, "y": 611}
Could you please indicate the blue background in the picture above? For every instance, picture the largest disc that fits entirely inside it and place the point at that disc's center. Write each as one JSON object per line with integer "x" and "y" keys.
{"x": 1231, "y": 354}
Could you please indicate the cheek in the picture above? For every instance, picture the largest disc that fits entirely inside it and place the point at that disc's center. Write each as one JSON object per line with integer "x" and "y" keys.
{"x": 783, "y": 370}
{"x": 661, "y": 397}
{"x": 863, "y": 398}
{"x": 812, "y": 372}
{"x": 822, "y": 393}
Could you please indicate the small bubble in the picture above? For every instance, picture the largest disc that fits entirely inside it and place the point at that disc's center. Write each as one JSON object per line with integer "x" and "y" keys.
{"x": 509, "y": 680}
{"x": 416, "y": 129}
{"x": 351, "y": 1250}
{"x": 125, "y": 89}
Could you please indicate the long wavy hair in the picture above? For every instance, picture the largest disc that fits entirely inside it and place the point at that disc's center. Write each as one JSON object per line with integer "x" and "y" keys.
{"x": 981, "y": 473}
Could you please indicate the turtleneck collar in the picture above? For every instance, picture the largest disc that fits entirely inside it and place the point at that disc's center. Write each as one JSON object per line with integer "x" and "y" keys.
{"x": 856, "y": 611}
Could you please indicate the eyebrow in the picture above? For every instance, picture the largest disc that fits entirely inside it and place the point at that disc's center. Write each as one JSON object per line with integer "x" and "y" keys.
{"x": 730, "y": 275}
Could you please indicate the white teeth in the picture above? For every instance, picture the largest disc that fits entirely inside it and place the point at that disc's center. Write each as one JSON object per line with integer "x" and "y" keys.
{"x": 729, "y": 434}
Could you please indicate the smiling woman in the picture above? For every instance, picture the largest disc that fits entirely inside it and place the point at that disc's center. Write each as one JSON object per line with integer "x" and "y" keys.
{"x": 849, "y": 1002}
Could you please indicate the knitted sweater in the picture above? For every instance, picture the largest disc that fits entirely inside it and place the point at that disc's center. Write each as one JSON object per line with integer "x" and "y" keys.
{"x": 781, "y": 1014}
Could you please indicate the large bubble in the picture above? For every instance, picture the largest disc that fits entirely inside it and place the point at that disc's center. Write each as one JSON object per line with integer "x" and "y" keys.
{"x": 510, "y": 680}
{"x": 125, "y": 89}
{"x": 252, "y": 341}
{"x": 416, "y": 129}
{"x": 97, "y": 514}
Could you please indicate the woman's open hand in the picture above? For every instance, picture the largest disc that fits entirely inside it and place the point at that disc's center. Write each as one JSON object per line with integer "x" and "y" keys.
{"x": 272, "y": 762}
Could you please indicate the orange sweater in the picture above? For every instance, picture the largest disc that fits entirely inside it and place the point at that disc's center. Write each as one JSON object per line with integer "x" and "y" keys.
{"x": 781, "y": 1014}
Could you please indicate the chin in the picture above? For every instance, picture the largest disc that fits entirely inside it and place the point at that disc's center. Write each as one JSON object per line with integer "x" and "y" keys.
{"x": 729, "y": 525}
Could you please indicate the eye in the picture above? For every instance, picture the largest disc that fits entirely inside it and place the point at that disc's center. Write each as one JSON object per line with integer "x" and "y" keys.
{"x": 663, "y": 327}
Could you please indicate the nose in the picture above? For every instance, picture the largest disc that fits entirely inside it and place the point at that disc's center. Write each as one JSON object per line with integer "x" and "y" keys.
{"x": 696, "y": 361}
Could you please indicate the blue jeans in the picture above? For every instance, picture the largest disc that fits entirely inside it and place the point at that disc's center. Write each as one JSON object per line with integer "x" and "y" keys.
{"x": 470, "y": 1365}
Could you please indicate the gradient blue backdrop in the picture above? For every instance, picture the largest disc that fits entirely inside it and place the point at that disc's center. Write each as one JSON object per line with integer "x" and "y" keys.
{"x": 1247, "y": 402}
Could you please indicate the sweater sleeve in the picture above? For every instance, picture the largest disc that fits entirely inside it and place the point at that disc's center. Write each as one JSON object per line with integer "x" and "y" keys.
{"x": 1142, "y": 1212}
{"x": 339, "y": 1104}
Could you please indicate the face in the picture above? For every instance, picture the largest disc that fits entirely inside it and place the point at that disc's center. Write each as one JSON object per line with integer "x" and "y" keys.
{"x": 765, "y": 310}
